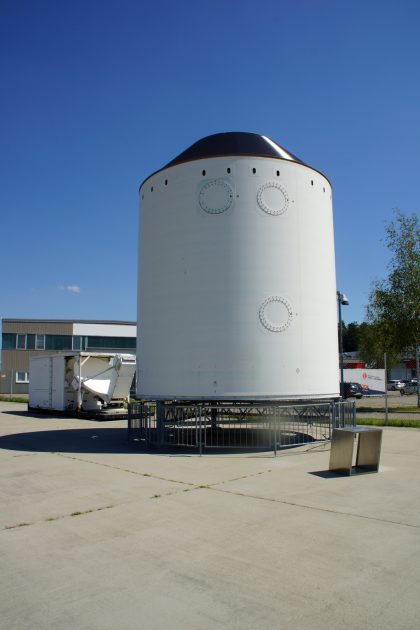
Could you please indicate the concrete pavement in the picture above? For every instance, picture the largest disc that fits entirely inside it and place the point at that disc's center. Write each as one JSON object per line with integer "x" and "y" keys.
{"x": 95, "y": 534}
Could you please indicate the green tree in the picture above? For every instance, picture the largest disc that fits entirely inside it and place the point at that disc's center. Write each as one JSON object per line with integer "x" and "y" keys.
{"x": 394, "y": 303}
{"x": 375, "y": 340}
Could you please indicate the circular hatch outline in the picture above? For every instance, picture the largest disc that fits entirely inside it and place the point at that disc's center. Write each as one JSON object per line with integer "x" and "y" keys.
{"x": 272, "y": 327}
{"x": 264, "y": 206}
{"x": 207, "y": 186}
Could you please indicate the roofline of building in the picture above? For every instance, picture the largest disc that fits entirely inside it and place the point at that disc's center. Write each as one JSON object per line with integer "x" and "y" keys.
{"x": 68, "y": 321}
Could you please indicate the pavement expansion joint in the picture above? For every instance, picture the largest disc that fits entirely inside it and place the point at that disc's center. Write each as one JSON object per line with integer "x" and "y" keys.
{"x": 218, "y": 483}
{"x": 312, "y": 507}
{"x": 193, "y": 486}
{"x": 127, "y": 470}
{"x": 59, "y": 517}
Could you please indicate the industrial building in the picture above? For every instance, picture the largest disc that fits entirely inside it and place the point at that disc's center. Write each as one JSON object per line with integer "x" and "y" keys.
{"x": 24, "y": 338}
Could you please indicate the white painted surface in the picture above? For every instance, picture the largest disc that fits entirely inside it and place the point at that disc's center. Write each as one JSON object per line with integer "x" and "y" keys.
{"x": 237, "y": 294}
{"x": 39, "y": 382}
{"x": 105, "y": 330}
{"x": 57, "y": 382}
{"x": 46, "y": 382}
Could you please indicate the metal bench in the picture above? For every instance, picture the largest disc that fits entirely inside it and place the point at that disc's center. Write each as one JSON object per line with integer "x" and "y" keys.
{"x": 368, "y": 449}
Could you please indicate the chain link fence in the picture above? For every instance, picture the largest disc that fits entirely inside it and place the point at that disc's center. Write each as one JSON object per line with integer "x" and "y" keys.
{"x": 241, "y": 426}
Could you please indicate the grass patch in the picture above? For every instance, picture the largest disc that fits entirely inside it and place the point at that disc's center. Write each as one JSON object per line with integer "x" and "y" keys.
{"x": 18, "y": 399}
{"x": 18, "y": 525}
{"x": 99, "y": 509}
{"x": 390, "y": 409}
{"x": 380, "y": 422}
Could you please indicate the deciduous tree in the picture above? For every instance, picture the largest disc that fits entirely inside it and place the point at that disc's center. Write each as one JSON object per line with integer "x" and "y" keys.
{"x": 394, "y": 304}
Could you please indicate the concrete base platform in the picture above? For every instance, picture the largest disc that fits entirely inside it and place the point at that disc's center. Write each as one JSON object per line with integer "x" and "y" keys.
{"x": 97, "y": 535}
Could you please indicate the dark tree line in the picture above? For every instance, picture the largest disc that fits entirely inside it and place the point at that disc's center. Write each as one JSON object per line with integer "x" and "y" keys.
{"x": 352, "y": 336}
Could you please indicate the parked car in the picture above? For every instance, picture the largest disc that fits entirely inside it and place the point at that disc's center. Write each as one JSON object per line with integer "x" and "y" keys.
{"x": 394, "y": 385}
{"x": 409, "y": 388}
{"x": 352, "y": 390}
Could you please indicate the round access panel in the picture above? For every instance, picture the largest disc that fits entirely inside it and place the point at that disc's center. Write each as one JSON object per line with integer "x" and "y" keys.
{"x": 275, "y": 313}
{"x": 216, "y": 196}
{"x": 272, "y": 197}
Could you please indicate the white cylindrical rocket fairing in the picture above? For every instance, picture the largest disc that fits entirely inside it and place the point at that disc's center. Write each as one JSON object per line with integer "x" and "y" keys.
{"x": 236, "y": 289}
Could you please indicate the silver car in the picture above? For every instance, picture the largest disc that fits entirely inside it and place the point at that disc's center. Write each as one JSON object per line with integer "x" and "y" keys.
{"x": 395, "y": 385}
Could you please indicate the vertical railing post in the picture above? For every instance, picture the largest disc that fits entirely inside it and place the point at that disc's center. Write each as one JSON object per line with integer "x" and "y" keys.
{"x": 274, "y": 415}
{"x": 129, "y": 427}
{"x": 200, "y": 429}
{"x": 160, "y": 421}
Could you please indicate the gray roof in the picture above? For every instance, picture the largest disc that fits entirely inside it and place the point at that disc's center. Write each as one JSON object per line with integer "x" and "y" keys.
{"x": 69, "y": 321}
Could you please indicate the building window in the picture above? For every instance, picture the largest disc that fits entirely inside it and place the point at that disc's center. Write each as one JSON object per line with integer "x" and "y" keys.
{"x": 40, "y": 342}
{"x": 22, "y": 377}
{"x": 58, "y": 342}
{"x": 77, "y": 343}
{"x": 21, "y": 342}
{"x": 9, "y": 341}
{"x": 111, "y": 343}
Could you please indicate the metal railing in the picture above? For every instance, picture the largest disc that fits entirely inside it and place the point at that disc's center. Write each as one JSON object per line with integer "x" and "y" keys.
{"x": 242, "y": 426}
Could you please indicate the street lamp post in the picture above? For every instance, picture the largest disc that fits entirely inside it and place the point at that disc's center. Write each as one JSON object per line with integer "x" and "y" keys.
{"x": 342, "y": 301}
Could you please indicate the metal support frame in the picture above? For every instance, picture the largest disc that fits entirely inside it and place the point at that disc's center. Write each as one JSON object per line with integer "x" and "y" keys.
{"x": 244, "y": 426}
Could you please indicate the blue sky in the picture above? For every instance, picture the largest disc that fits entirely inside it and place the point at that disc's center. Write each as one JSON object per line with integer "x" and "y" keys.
{"x": 96, "y": 95}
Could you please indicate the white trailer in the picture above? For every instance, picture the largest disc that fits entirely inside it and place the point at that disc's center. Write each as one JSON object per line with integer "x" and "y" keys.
{"x": 86, "y": 383}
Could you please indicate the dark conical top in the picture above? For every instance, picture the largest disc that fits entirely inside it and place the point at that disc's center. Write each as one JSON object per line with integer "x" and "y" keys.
{"x": 234, "y": 143}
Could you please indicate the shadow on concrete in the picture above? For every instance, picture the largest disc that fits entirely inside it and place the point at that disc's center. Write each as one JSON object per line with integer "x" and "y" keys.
{"x": 331, "y": 474}
{"x": 100, "y": 437}
{"x": 99, "y": 440}
{"x": 24, "y": 414}
{"x": 70, "y": 441}
{"x": 325, "y": 474}
{"x": 32, "y": 413}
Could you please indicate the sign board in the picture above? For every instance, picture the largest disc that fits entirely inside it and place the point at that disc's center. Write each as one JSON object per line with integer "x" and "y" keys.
{"x": 372, "y": 381}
